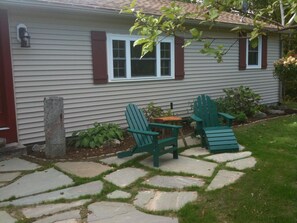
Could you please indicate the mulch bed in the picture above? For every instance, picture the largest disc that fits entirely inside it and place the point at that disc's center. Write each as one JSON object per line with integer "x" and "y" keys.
{"x": 127, "y": 143}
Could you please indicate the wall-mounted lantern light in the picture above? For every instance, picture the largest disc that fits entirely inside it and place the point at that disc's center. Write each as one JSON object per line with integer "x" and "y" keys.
{"x": 23, "y": 36}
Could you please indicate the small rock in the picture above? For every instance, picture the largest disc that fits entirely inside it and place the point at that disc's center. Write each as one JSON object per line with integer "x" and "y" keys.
{"x": 38, "y": 148}
{"x": 276, "y": 112}
{"x": 116, "y": 142}
{"x": 260, "y": 115}
{"x": 2, "y": 142}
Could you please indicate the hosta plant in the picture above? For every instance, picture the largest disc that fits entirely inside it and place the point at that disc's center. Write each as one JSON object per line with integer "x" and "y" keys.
{"x": 97, "y": 136}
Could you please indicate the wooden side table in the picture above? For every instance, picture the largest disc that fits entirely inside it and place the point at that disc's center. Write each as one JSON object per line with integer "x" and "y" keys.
{"x": 174, "y": 120}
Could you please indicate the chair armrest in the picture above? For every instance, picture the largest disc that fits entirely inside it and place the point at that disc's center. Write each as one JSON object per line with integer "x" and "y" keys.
{"x": 165, "y": 126}
{"x": 226, "y": 116}
{"x": 150, "y": 133}
{"x": 196, "y": 118}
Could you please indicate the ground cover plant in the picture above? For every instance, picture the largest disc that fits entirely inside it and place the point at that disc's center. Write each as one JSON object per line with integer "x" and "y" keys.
{"x": 267, "y": 193}
{"x": 97, "y": 136}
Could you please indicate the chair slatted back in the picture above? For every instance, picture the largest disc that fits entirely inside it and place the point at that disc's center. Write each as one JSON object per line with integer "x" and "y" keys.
{"x": 137, "y": 121}
{"x": 206, "y": 109}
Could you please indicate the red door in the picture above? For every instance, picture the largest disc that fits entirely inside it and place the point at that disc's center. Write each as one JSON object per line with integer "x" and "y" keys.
{"x": 7, "y": 106}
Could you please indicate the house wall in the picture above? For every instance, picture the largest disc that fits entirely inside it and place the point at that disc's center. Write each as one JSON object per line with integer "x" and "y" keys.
{"x": 59, "y": 63}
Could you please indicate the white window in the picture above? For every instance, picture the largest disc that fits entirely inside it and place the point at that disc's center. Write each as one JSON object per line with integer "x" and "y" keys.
{"x": 254, "y": 54}
{"x": 124, "y": 61}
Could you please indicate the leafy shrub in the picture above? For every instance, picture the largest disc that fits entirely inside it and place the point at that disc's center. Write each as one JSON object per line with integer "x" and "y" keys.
{"x": 97, "y": 136}
{"x": 241, "y": 102}
{"x": 241, "y": 117}
{"x": 152, "y": 111}
{"x": 285, "y": 69}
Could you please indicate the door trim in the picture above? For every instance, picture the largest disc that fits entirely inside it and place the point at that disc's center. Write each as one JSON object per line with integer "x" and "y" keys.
{"x": 11, "y": 132}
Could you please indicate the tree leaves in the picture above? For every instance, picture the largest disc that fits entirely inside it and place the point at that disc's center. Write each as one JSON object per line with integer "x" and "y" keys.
{"x": 172, "y": 20}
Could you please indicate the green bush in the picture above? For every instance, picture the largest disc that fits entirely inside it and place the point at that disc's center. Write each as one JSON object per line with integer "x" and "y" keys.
{"x": 152, "y": 111}
{"x": 285, "y": 69}
{"x": 96, "y": 136}
{"x": 240, "y": 102}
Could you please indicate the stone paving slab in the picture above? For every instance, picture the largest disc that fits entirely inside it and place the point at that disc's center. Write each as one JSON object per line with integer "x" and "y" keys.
{"x": 196, "y": 151}
{"x": 83, "y": 169}
{"x": 34, "y": 183}
{"x": 6, "y": 218}
{"x": 190, "y": 142}
{"x": 6, "y": 177}
{"x": 114, "y": 160}
{"x": 224, "y": 157}
{"x": 17, "y": 164}
{"x": 67, "y": 193}
{"x": 115, "y": 212}
{"x": 163, "y": 201}
{"x": 69, "y": 215}
{"x": 118, "y": 194}
{"x": 224, "y": 178}
{"x": 49, "y": 209}
{"x": 242, "y": 163}
{"x": 176, "y": 182}
{"x": 69, "y": 221}
{"x": 241, "y": 147}
{"x": 183, "y": 164}
{"x": 125, "y": 177}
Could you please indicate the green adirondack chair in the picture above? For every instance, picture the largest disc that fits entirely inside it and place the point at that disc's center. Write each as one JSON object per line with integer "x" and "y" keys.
{"x": 146, "y": 139}
{"x": 214, "y": 136}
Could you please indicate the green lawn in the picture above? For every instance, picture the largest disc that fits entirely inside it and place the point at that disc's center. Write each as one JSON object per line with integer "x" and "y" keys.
{"x": 268, "y": 192}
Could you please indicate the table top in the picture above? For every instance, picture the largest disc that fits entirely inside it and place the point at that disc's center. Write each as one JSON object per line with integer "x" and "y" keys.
{"x": 168, "y": 119}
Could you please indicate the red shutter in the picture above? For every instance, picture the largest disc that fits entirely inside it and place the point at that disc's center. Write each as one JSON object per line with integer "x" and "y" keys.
{"x": 242, "y": 51}
{"x": 264, "y": 52}
{"x": 99, "y": 56}
{"x": 179, "y": 59}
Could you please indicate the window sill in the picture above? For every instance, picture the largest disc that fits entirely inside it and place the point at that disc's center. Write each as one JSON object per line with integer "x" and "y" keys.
{"x": 140, "y": 79}
{"x": 253, "y": 67}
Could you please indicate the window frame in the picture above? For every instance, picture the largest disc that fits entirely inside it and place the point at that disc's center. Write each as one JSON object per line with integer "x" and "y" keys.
{"x": 128, "y": 39}
{"x": 259, "y": 66}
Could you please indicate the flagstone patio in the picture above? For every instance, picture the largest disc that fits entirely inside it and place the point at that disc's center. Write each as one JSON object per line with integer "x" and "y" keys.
{"x": 195, "y": 170}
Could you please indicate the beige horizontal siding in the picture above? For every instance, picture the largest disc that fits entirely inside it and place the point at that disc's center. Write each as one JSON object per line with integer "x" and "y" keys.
{"x": 59, "y": 63}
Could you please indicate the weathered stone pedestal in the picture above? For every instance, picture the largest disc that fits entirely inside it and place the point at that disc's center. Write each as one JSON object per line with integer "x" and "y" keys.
{"x": 54, "y": 127}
